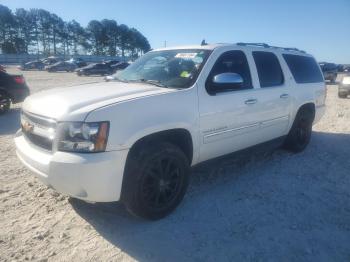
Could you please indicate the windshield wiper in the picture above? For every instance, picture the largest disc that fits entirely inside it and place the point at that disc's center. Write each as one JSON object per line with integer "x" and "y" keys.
{"x": 150, "y": 81}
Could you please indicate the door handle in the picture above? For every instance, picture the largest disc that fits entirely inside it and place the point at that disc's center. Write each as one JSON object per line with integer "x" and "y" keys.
{"x": 284, "y": 96}
{"x": 250, "y": 101}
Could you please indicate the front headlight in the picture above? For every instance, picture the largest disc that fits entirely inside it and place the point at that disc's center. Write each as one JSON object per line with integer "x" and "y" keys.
{"x": 82, "y": 137}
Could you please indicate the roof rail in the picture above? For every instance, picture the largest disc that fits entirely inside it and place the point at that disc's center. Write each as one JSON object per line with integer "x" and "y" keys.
{"x": 254, "y": 44}
{"x": 289, "y": 49}
{"x": 268, "y": 46}
{"x": 293, "y": 49}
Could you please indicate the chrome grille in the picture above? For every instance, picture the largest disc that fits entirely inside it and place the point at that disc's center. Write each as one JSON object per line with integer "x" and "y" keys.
{"x": 39, "y": 120}
{"x": 39, "y": 130}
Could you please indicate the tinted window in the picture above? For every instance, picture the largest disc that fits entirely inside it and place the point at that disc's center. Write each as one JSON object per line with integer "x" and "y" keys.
{"x": 233, "y": 62}
{"x": 304, "y": 69}
{"x": 269, "y": 69}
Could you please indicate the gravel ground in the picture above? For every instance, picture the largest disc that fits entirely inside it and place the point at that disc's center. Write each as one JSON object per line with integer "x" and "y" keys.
{"x": 275, "y": 206}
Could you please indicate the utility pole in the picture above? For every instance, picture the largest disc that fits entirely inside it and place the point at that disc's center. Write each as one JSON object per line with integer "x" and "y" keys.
{"x": 165, "y": 43}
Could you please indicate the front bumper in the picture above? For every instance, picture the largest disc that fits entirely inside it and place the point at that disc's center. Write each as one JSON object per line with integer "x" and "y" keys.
{"x": 93, "y": 177}
{"x": 19, "y": 94}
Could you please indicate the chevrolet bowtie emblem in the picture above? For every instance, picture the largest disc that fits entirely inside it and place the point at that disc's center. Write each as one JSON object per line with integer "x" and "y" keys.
{"x": 27, "y": 127}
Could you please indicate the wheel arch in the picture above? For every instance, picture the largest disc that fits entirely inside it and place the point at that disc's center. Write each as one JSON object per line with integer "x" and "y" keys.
{"x": 180, "y": 137}
{"x": 306, "y": 107}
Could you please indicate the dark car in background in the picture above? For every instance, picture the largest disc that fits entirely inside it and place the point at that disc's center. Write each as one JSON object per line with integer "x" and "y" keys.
{"x": 95, "y": 69}
{"x": 33, "y": 65}
{"x": 13, "y": 89}
{"x": 346, "y": 68}
{"x": 78, "y": 61}
{"x": 116, "y": 68}
{"x": 330, "y": 71}
{"x": 61, "y": 66}
{"x": 119, "y": 66}
{"x": 111, "y": 62}
{"x": 50, "y": 60}
{"x": 340, "y": 68}
{"x": 2, "y": 68}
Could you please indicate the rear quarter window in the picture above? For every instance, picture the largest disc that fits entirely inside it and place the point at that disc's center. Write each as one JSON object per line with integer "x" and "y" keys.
{"x": 303, "y": 68}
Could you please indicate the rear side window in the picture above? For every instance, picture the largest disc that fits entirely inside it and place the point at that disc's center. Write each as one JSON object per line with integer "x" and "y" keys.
{"x": 269, "y": 69}
{"x": 303, "y": 68}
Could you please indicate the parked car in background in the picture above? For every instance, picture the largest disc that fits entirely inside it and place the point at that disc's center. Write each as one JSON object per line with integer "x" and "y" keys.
{"x": 340, "y": 68}
{"x": 13, "y": 89}
{"x": 344, "y": 87}
{"x": 33, "y": 65}
{"x": 116, "y": 68}
{"x": 50, "y": 60}
{"x": 346, "y": 69}
{"x": 111, "y": 62}
{"x": 61, "y": 66}
{"x": 135, "y": 139}
{"x": 78, "y": 61}
{"x": 330, "y": 71}
{"x": 2, "y": 68}
{"x": 95, "y": 69}
{"x": 119, "y": 66}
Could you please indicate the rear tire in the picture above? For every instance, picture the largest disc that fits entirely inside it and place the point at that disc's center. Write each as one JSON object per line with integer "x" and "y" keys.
{"x": 5, "y": 103}
{"x": 300, "y": 134}
{"x": 155, "y": 180}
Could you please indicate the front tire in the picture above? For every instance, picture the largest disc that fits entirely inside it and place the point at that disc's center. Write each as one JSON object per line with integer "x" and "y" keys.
{"x": 300, "y": 134}
{"x": 155, "y": 181}
{"x": 5, "y": 103}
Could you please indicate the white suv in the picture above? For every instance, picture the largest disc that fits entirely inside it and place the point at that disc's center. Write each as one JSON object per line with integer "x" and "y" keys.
{"x": 134, "y": 139}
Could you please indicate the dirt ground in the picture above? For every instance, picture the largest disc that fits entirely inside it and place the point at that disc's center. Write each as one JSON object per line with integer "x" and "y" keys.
{"x": 276, "y": 206}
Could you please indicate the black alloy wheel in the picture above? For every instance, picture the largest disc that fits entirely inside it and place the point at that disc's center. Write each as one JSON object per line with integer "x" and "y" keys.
{"x": 300, "y": 134}
{"x": 155, "y": 180}
{"x": 161, "y": 182}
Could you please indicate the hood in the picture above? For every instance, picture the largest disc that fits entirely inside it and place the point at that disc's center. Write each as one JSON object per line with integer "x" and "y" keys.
{"x": 74, "y": 103}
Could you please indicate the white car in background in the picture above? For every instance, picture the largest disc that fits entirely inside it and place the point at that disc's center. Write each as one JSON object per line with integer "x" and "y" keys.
{"x": 134, "y": 139}
{"x": 344, "y": 87}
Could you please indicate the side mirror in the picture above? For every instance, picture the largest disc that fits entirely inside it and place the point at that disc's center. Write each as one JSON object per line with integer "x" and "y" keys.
{"x": 225, "y": 82}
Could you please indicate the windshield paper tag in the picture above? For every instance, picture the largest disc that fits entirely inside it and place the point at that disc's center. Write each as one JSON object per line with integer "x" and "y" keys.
{"x": 186, "y": 55}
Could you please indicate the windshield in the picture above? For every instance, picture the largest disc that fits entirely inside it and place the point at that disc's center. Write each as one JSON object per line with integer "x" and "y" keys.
{"x": 168, "y": 68}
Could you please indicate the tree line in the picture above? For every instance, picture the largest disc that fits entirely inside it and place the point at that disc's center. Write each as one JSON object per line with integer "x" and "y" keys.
{"x": 41, "y": 32}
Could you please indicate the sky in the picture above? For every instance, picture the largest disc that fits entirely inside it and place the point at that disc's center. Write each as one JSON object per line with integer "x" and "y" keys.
{"x": 320, "y": 27}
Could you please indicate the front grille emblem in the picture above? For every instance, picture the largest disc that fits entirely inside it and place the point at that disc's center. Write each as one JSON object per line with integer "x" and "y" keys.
{"x": 27, "y": 127}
